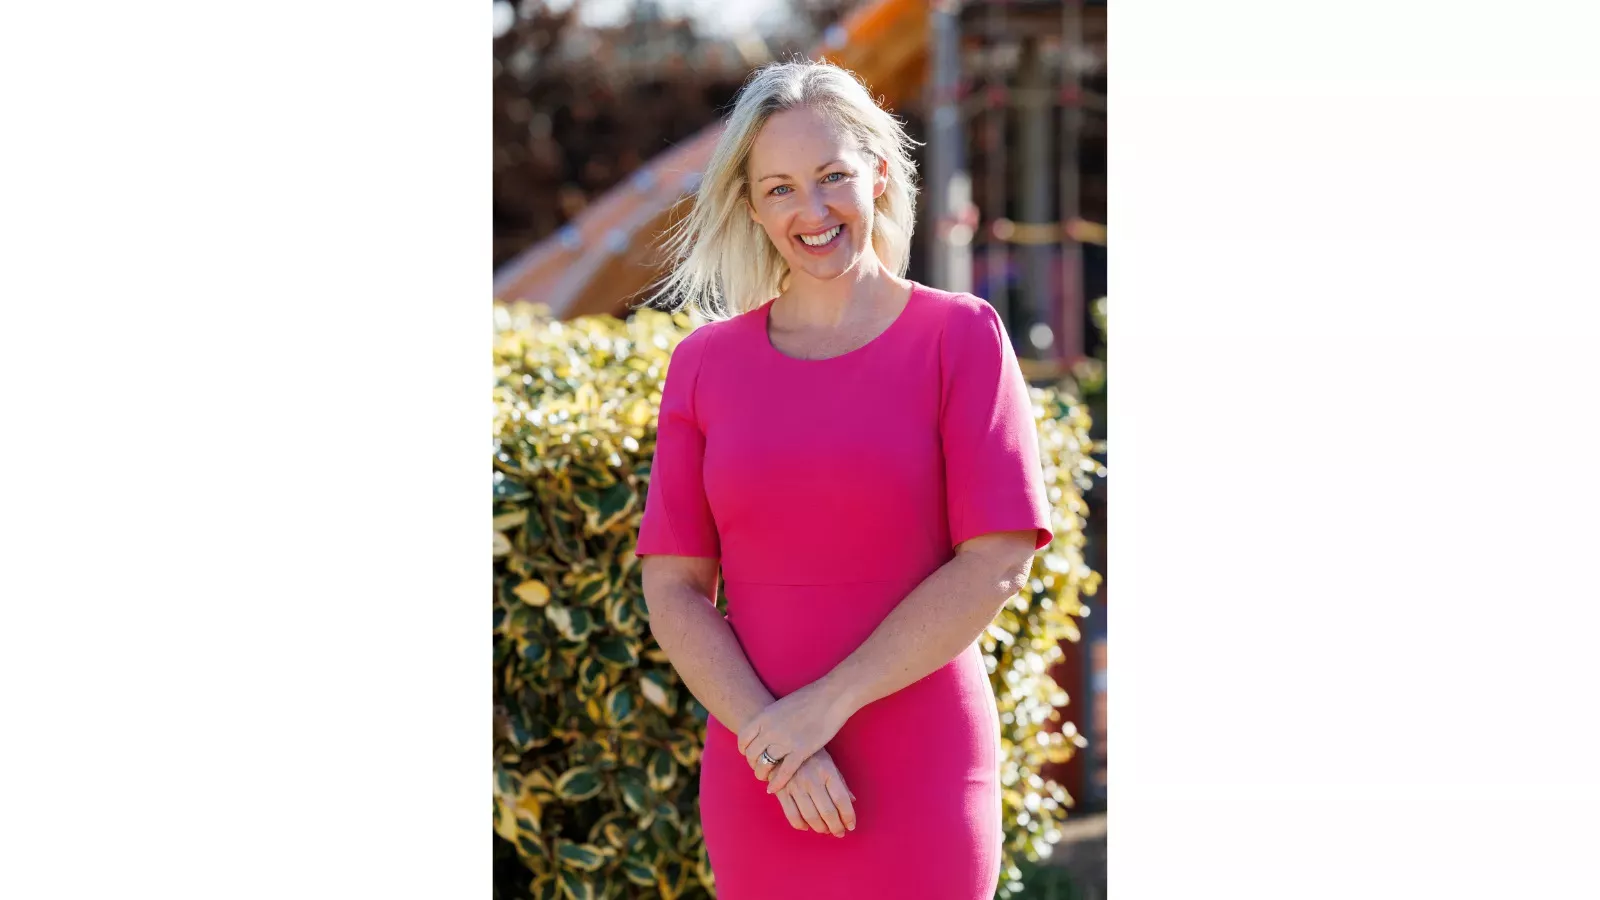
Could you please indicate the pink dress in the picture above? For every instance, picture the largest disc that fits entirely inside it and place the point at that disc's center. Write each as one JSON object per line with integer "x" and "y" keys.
{"x": 829, "y": 489}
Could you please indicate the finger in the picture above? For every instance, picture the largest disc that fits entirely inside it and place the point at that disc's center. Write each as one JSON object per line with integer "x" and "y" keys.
{"x": 792, "y": 811}
{"x": 834, "y": 784}
{"x": 826, "y": 808}
{"x": 749, "y": 734}
{"x": 778, "y": 779}
{"x": 752, "y": 755}
{"x": 764, "y": 770}
{"x": 749, "y": 746}
{"x": 808, "y": 811}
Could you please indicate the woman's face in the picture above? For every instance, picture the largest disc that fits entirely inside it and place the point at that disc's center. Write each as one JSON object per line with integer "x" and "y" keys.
{"x": 812, "y": 189}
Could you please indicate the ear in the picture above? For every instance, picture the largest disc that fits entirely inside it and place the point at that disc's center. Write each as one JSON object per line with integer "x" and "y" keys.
{"x": 880, "y": 178}
{"x": 750, "y": 207}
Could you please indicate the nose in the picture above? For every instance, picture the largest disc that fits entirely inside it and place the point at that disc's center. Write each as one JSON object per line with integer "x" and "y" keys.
{"x": 816, "y": 207}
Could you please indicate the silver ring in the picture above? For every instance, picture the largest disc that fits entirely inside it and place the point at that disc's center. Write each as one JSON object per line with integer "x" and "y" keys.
{"x": 768, "y": 759}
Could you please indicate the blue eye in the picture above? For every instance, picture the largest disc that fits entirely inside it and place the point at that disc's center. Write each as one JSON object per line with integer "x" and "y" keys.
{"x": 828, "y": 179}
{"x": 781, "y": 187}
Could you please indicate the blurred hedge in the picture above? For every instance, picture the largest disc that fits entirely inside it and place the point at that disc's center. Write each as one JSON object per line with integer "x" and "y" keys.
{"x": 596, "y": 741}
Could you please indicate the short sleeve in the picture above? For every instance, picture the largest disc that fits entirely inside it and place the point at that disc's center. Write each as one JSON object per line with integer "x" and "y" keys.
{"x": 993, "y": 478}
{"x": 677, "y": 518}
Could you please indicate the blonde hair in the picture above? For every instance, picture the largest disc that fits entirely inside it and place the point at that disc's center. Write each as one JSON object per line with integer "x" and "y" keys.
{"x": 724, "y": 263}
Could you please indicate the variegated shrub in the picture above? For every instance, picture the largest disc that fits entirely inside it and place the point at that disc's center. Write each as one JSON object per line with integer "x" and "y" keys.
{"x": 596, "y": 741}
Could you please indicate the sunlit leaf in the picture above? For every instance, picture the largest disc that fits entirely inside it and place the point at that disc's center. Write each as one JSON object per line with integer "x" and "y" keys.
{"x": 657, "y": 691}
{"x": 533, "y": 593}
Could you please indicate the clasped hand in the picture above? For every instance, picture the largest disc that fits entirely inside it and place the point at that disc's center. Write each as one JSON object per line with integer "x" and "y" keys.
{"x": 794, "y": 731}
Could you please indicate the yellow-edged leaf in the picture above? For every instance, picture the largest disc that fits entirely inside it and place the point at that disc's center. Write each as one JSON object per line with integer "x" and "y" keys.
{"x": 579, "y": 856}
{"x": 578, "y": 784}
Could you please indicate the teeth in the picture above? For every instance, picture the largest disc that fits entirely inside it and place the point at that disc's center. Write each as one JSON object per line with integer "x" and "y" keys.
{"x": 822, "y": 238}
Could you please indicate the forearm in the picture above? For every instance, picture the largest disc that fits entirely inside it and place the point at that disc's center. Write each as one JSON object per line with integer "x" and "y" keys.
{"x": 703, "y": 648}
{"x": 930, "y": 627}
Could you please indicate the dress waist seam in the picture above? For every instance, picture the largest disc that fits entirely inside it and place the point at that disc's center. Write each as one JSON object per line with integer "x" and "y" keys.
{"x": 749, "y": 581}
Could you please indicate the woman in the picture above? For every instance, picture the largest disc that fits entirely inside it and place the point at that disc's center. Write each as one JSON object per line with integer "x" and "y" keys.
{"x": 857, "y": 454}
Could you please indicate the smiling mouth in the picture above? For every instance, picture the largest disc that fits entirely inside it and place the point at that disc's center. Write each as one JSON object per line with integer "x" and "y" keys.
{"x": 818, "y": 241}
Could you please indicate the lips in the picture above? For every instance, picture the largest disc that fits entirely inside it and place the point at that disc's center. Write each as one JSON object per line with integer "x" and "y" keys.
{"x": 814, "y": 242}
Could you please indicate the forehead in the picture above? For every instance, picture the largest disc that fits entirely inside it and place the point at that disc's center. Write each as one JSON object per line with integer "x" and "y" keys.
{"x": 800, "y": 137}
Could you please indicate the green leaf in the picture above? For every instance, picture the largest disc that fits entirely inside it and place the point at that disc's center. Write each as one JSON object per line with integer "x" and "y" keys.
{"x": 579, "y": 856}
{"x": 685, "y": 748}
{"x": 617, "y": 650}
{"x": 534, "y": 650}
{"x": 591, "y": 677}
{"x": 528, "y": 734}
{"x": 702, "y": 870}
{"x": 639, "y": 871}
{"x": 507, "y": 490}
{"x": 635, "y": 792}
{"x": 621, "y": 706}
{"x": 575, "y": 624}
{"x": 608, "y": 830}
{"x": 663, "y": 772}
{"x": 578, "y": 784}
{"x": 508, "y": 782}
{"x": 577, "y": 887}
{"x": 620, "y": 615}
{"x": 544, "y": 887}
{"x": 606, "y": 508}
{"x": 592, "y": 590}
{"x": 674, "y": 877}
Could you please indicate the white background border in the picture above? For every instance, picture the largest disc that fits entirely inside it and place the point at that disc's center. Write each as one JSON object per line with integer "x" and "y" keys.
{"x": 244, "y": 334}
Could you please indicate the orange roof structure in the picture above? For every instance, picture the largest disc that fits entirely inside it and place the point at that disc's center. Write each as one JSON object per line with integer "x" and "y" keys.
{"x": 603, "y": 259}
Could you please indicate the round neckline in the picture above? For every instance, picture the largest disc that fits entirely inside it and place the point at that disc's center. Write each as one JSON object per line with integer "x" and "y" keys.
{"x": 766, "y": 336}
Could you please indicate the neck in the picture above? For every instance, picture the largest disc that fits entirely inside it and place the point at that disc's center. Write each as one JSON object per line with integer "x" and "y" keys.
{"x": 865, "y": 287}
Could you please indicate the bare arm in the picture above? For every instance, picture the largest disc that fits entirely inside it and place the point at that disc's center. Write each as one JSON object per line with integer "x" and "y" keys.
{"x": 929, "y": 628}
{"x": 680, "y": 592}
{"x": 936, "y": 621}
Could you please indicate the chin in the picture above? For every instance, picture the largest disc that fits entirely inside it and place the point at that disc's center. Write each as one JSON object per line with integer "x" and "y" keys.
{"x": 827, "y": 269}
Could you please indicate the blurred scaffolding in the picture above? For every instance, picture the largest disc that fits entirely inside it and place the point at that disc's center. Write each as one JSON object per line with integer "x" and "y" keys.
{"x": 1015, "y": 171}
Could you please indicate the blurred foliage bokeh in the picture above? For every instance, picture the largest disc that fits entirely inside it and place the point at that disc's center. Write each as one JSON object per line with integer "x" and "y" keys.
{"x": 596, "y": 740}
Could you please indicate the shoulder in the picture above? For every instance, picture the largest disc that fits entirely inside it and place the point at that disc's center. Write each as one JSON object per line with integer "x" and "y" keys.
{"x": 962, "y": 319}
{"x": 698, "y": 343}
{"x": 712, "y": 346}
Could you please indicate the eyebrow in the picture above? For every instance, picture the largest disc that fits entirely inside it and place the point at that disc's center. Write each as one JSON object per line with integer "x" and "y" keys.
{"x": 819, "y": 169}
